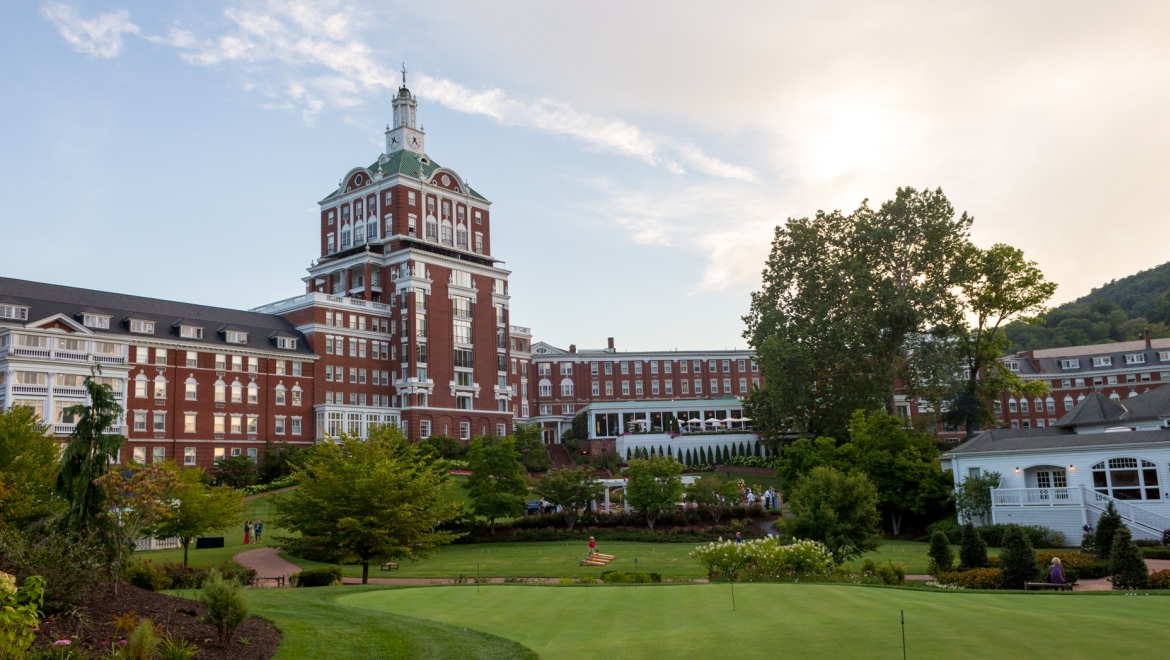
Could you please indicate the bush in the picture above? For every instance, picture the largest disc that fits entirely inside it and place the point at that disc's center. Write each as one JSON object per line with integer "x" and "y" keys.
{"x": 143, "y": 642}
{"x": 889, "y": 573}
{"x": 1068, "y": 558}
{"x": 1018, "y": 559}
{"x": 1160, "y": 580}
{"x": 1038, "y": 537}
{"x": 948, "y": 526}
{"x": 71, "y": 565}
{"x": 1156, "y": 553}
{"x": 763, "y": 559}
{"x": 279, "y": 482}
{"x": 972, "y": 549}
{"x": 318, "y": 577}
{"x": 1107, "y": 525}
{"x": 976, "y": 578}
{"x": 185, "y": 577}
{"x": 942, "y": 558}
{"x": 622, "y": 577}
{"x": 1126, "y": 562}
{"x": 226, "y": 605}
{"x": 1094, "y": 571}
{"x": 769, "y": 462}
{"x": 146, "y": 575}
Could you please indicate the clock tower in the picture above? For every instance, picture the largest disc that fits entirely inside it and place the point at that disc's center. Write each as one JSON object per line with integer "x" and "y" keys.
{"x": 404, "y": 134}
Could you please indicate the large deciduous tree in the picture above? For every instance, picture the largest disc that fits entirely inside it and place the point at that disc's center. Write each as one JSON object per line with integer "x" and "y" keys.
{"x": 713, "y": 494}
{"x": 89, "y": 454}
{"x": 134, "y": 505}
{"x": 28, "y": 467}
{"x": 197, "y": 509}
{"x": 570, "y": 489}
{"x": 497, "y": 483}
{"x": 654, "y": 486}
{"x": 837, "y": 509}
{"x": 530, "y": 444}
{"x": 370, "y": 500}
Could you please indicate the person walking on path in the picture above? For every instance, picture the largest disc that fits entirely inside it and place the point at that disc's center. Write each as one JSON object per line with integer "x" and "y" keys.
{"x": 247, "y": 532}
{"x": 1056, "y": 572}
{"x": 259, "y": 527}
{"x": 592, "y": 546}
{"x": 738, "y": 537}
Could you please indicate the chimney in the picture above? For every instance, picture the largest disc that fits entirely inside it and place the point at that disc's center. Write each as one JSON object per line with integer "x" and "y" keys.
{"x": 572, "y": 348}
{"x": 1147, "y": 333}
{"x": 611, "y": 344}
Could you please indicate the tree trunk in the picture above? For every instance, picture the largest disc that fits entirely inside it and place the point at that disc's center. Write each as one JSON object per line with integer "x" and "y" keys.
{"x": 365, "y": 572}
{"x": 896, "y": 522}
{"x": 571, "y": 518}
{"x": 492, "y": 525}
{"x": 650, "y": 520}
{"x": 186, "y": 546}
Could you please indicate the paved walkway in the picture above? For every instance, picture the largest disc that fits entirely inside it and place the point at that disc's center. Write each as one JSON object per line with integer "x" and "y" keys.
{"x": 267, "y": 563}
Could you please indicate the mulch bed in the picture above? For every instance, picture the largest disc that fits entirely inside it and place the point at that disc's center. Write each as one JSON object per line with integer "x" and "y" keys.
{"x": 178, "y": 617}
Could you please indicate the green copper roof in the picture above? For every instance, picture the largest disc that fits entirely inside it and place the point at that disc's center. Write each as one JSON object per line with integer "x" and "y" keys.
{"x": 407, "y": 164}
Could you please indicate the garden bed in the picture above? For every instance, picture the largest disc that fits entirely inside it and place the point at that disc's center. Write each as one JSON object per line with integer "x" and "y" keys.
{"x": 94, "y": 630}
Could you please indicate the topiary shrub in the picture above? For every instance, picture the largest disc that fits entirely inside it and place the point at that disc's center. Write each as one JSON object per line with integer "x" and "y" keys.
{"x": 972, "y": 549}
{"x": 1107, "y": 525}
{"x": 942, "y": 558}
{"x": 976, "y": 578}
{"x": 1160, "y": 580}
{"x": 1018, "y": 559}
{"x": 1126, "y": 562}
{"x": 318, "y": 577}
{"x": 226, "y": 605}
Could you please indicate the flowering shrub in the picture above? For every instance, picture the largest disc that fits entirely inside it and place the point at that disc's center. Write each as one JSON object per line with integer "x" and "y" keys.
{"x": 279, "y": 482}
{"x": 979, "y": 578}
{"x": 939, "y": 585}
{"x": 764, "y": 559}
{"x": 770, "y": 462}
{"x": 1067, "y": 557}
{"x": 20, "y": 614}
{"x": 1160, "y": 580}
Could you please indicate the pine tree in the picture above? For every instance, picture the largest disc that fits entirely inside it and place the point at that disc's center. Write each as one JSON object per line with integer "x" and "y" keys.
{"x": 1126, "y": 562}
{"x": 629, "y": 455}
{"x": 742, "y": 449}
{"x": 1018, "y": 559}
{"x": 688, "y": 461}
{"x": 670, "y": 451}
{"x": 702, "y": 456}
{"x": 942, "y": 558}
{"x": 726, "y": 454}
{"x": 1107, "y": 525}
{"x": 972, "y": 548}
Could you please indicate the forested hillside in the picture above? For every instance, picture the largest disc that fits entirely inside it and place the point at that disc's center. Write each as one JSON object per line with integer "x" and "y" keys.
{"x": 1117, "y": 311}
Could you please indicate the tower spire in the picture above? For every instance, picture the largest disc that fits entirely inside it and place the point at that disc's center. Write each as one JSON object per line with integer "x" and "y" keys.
{"x": 404, "y": 74}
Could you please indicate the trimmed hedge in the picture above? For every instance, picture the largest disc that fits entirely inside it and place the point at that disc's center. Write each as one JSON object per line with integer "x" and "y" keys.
{"x": 630, "y": 577}
{"x": 279, "y": 482}
{"x": 992, "y": 535}
{"x": 582, "y": 534}
{"x": 976, "y": 578}
{"x": 1068, "y": 558}
{"x": 676, "y": 518}
{"x": 318, "y": 577}
{"x": 1094, "y": 571}
{"x": 1160, "y": 580}
{"x": 1156, "y": 553}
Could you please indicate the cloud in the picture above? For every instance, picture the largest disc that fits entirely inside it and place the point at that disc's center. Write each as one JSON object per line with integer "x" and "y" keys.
{"x": 100, "y": 36}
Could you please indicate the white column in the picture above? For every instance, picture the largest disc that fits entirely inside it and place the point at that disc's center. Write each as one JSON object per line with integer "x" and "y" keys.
{"x": 625, "y": 500}
{"x": 607, "y": 499}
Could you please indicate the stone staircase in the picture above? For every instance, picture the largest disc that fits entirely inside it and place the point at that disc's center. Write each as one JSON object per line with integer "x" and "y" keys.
{"x": 559, "y": 456}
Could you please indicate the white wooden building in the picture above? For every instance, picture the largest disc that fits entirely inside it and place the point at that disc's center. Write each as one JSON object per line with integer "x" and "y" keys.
{"x": 1063, "y": 476}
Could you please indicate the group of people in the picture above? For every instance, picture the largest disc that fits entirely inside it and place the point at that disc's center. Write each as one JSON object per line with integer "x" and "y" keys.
{"x": 253, "y": 532}
{"x": 769, "y": 498}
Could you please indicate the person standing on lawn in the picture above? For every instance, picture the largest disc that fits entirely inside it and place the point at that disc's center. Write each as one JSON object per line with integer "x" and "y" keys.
{"x": 259, "y": 527}
{"x": 247, "y": 532}
{"x": 592, "y": 546}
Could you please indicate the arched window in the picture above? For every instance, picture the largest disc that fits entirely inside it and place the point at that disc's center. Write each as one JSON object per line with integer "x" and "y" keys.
{"x": 345, "y": 237}
{"x": 1051, "y": 403}
{"x": 1068, "y": 402}
{"x": 1039, "y": 405}
{"x": 237, "y": 392}
{"x": 1080, "y": 398}
{"x": 220, "y": 391}
{"x": 1115, "y": 397}
{"x": 140, "y": 386}
{"x": 296, "y": 395}
{"x": 280, "y": 394}
{"x": 545, "y": 387}
{"x": 1012, "y": 407}
{"x": 432, "y": 229}
{"x": 190, "y": 387}
{"x": 461, "y": 236}
{"x": 1132, "y": 394}
{"x": 566, "y": 387}
{"x": 1123, "y": 479}
{"x": 448, "y": 234}
{"x": 253, "y": 393}
{"x": 372, "y": 230}
{"x": 160, "y": 387}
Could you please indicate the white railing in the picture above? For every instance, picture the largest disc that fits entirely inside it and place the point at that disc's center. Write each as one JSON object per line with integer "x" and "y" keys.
{"x": 32, "y": 352}
{"x": 1133, "y": 514}
{"x": 64, "y": 429}
{"x": 110, "y": 359}
{"x": 71, "y": 355}
{"x": 320, "y": 297}
{"x": 1036, "y": 496}
{"x": 68, "y": 391}
{"x": 151, "y": 543}
{"x": 30, "y": 389}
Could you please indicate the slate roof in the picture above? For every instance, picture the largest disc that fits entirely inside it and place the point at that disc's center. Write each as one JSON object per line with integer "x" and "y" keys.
{"x": 997, "y": 440}
{"x": 45, "y": 300}
{"x": 1047, "y": 361}
{"x": 404, "y": 163}
{"x": 1094, "y": 409}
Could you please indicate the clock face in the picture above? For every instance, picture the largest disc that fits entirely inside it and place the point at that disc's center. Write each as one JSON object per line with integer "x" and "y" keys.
{"x": 393, "y": 139}
{"x": 414, "y": 141}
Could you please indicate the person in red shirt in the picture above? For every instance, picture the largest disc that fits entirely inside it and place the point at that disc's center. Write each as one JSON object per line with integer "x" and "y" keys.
{"x": 592, "y": 546}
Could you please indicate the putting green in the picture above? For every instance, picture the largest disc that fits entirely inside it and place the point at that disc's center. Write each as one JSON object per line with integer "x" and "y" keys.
{"x": 788, "y": 620}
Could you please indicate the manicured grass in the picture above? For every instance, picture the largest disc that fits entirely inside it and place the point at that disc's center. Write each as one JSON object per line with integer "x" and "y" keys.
{"x": 553, "y": 559}
{"x": 316, "y": 625}
{"x": 911, "y": 554}
{"x": 256, "y": 509}
{"x": 787, "y": 620}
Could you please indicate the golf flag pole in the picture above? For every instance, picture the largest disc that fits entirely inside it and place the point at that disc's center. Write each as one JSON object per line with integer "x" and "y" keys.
{"x": 731, "y": 574}
{"x": 476, "y": 577}
{"x": 903, "y": 613}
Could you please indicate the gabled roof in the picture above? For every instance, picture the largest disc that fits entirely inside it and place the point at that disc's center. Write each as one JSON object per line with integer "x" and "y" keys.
{"x": 997, "y": 440}
{"x": 1154, "y": 404}
{"x": 403, "y": 163}
{"x": 1094, "y": 409}
{"x": 47, "y": 300}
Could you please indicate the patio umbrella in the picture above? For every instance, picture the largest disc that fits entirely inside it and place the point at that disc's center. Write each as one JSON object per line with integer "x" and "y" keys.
{"x": 694, "y": 421}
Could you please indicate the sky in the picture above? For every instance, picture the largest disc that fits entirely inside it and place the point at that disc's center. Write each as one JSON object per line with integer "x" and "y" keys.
{"x": 638, "y": 155}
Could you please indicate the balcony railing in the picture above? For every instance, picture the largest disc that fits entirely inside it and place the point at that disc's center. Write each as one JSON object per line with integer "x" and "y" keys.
{"x": 68, "y": 391}
{"x": 1036, "y": 496}
{"x": 30, "y": 389}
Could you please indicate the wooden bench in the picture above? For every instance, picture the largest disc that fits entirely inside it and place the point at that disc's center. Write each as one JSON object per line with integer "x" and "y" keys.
{"x": 390, "y": 566}
{"x": 278, "y": 579}
{"x": 1042, "y": 586}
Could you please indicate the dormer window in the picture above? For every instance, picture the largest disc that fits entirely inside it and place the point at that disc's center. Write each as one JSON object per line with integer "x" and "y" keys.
{"x": 286, "y": 342}
{"x": 1070, "y": 364}
{"x": 1012, "y": 366}
{"x": 190, "y": 332}
{"x": 236, "y": 337}
{"x": 1106, "y": 361}
{"x": 142, "y": 327}
{"x": 1135, "y": 358}
{"x": 17, "y": 312}
{"x": 1164, "y": 356}
{"x": 96, "y": 321}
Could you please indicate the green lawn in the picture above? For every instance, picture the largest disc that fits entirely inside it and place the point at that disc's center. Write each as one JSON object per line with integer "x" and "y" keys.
{"x": 256, "y": 509}
{"x": 911, "y": 554}
{"x": 787, "y": 620}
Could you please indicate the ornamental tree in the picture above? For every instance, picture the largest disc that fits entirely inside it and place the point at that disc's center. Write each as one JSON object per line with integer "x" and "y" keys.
{"x": 1126, "y": 564}
{"x": 973, "y": 497}
{"x": 497, "y": 484}
{"x": 28, "y": 467}
{"x": 713, "y": 494}
{"x": 89, "y": 454}
{"x": 571, "y": 489}
{"x": 654, "y": 486}
{"x": 836, "y": 509}
{"x": 134, "y": 505}
{"x": 197, "y": 509}
{"x": 1107, "y": 526}
{"x": 363, "y": 501}
{"x": 942, "y": 558}
{"x": 972, "y": 548}
{"x": 1017, "y": 559}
